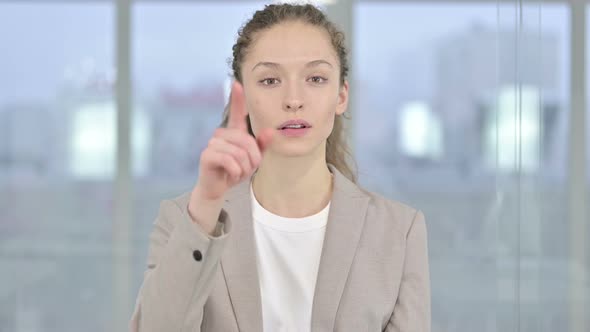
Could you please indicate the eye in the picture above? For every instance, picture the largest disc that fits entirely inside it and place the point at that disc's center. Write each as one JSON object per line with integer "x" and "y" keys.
{"x": 318, "y": 79}
{"x": 269, "y": 81}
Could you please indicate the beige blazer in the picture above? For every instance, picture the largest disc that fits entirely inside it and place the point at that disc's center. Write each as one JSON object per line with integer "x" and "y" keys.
{"x": 373, "y": 273}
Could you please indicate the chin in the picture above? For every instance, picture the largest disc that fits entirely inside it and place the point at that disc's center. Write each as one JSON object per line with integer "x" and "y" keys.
{"x": 293, "y": 149}
{"x": 292, "y": 153}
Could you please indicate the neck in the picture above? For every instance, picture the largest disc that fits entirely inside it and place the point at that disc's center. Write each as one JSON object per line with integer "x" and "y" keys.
{"x": 293, "y": 187}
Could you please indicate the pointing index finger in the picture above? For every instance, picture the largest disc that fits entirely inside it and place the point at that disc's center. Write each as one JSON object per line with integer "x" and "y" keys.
{"x": 237, "y": 108}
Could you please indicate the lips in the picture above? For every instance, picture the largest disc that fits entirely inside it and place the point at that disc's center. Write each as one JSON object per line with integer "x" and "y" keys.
{"x": 294, "y": 123}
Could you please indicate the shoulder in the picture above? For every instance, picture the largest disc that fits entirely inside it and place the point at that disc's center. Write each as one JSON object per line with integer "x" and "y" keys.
{"x": 391, "y": 212}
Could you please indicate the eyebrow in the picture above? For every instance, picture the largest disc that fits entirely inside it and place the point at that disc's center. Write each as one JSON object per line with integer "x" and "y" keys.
{"x": 276, "y": 65}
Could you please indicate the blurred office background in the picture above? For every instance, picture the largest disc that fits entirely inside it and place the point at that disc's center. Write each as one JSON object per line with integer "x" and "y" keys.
{"x": 474, "y": 111}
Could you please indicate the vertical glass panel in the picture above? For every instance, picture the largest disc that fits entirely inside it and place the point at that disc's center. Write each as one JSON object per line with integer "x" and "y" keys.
{"x": 57, "y": 150}
{"x": 466, "y": 118}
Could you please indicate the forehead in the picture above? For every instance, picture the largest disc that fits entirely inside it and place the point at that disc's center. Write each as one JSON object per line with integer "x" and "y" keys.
{"x": 291, "y": 41}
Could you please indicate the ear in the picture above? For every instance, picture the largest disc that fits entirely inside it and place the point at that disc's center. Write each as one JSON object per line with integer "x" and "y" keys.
{"x": 342, "y": 99}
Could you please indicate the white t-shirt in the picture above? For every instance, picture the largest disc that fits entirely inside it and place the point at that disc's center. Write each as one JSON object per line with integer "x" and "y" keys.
{"x": 288, "y": 257}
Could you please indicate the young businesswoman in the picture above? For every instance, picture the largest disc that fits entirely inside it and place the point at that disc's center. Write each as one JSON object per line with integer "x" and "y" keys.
{"x": 276, "y": 235}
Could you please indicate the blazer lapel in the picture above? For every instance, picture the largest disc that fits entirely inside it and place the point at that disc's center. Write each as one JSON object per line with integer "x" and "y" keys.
{"x": 348, "y": 208}
{"x": 238, "y": 261}
{"x": 345, "y": 223}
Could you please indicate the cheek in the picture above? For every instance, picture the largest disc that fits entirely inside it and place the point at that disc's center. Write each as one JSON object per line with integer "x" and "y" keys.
{"x": 329, "y": 105}
{"x": 327, "y": 118}
{"x": 329, "y": 121}
{"x": 329, "y": 115}
{"x": 256, "y": 111}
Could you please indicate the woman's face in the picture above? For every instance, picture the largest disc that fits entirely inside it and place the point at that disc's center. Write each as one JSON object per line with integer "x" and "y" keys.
{"x": 291, "y": 72}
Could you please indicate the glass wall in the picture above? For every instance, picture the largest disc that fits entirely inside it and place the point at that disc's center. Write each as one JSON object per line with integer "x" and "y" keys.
{"x": 474, "y": 107}
{"x": 57, "y": 154}
{"x": 443, "y": 83}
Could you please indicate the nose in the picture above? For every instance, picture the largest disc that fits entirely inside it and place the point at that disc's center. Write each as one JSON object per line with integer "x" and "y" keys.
{"x": 293, "y": 105}
{"x": 293, "y": 100}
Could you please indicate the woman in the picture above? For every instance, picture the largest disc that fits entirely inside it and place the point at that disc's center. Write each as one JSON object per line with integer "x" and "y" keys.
{"x": 276, "y": 235}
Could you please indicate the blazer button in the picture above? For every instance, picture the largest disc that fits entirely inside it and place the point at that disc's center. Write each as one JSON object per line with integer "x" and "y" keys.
{"x": 197, "y": 255}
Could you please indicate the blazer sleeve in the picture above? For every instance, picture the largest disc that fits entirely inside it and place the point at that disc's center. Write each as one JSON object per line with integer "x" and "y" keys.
{"x": 413, "y": 309}
{"x": 182, "y": 261}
